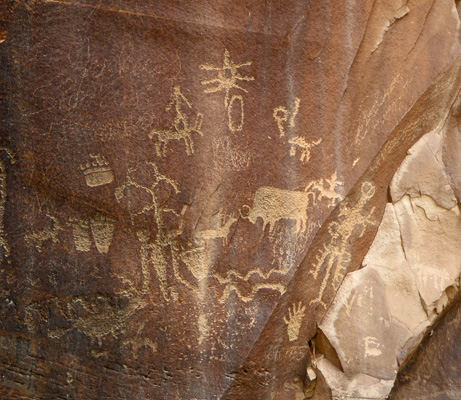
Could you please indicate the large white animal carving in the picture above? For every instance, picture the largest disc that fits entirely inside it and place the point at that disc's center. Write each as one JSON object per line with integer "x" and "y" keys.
{"x": 273, "y": 204}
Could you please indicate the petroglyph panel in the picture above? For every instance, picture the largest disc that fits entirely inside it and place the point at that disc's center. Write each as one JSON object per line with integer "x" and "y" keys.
{"x": 186, "y": 111}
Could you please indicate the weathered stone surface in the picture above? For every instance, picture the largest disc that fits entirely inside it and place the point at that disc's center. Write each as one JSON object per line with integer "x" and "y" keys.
{"x": 434, "y": 372}
{"x": 184, "y": 186}
{"x": 412, "y": 270}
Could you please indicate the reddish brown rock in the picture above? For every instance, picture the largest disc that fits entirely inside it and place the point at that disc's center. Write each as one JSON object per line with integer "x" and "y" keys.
{"x": 185, "y": 185}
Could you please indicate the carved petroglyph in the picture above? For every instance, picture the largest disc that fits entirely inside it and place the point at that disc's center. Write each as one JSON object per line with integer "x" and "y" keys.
{"x": 325, "y": 188}
{"x": 282, "y": 115}
{"x": 36, "y": 239}
{"x": 273, "y": 204}
{"x": 152, "y": 254}
{"x": 3, "y": 242}
{"x": 221, "y": 231}
{"x": 296, "y": 352}
{"x": 182, "y": 128}
{"x": 227, "y": 157}
{"x": 334, "y": 254}
{"x": 81, "y": 232}
{"x": 139, "y": 342}
{"x": 233, "y": 126}
{"x": 284, "y": 119}
{"x": 232, "y": 288}
{"x": 156, "y": 253}
{"x": 153, "y": 203}
{"x": 97, "y": 172}
{"x": 199, "y": 259}
{"x": 197, "y": 262}
{"x": 228, "y": 78}
{"x": 304, "y": 145}
{"x": 372, "y": 345}
{"x": 105, "y": 316}
{"x": 294, "y": 319}
{"x": 102, "y": 229}
{"x": 232, "y": 276}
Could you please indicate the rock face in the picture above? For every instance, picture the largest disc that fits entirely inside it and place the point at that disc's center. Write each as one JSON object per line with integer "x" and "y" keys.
{"x": 228, "y": 199}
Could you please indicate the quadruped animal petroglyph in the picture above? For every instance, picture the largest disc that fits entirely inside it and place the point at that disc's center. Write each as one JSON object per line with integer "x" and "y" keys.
{"x": 182, "y": 128}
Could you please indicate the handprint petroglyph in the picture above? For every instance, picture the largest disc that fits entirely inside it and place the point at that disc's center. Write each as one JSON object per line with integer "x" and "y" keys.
{"x": 294, "y": 319}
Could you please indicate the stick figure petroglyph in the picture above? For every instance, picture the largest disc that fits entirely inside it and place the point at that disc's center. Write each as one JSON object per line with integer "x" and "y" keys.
{"x": 181, "y": 126}
{"x": 153, "y": 204}
{"x": 281, "y": 115}
{"x": 228, "y": 78}
{"x": 335, "y": 254}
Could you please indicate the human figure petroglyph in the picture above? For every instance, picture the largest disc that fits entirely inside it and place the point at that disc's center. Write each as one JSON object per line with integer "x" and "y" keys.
{"x": 305, "y": 147}
{"x": 97, "y": 172}
{"x": 156, "y": 253}
{"x": 3, "y": 241}
{"x": 294, "y": 319}
{"x": 228, "y": 78}
{"x": 154, "y": 203}
{"x": 37, "y": 238}
{"x": 153, "y": 254}
{"x": 335, "y": 252}
{"x": 282, "y": 115}
{"x": 182, "y": 129}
